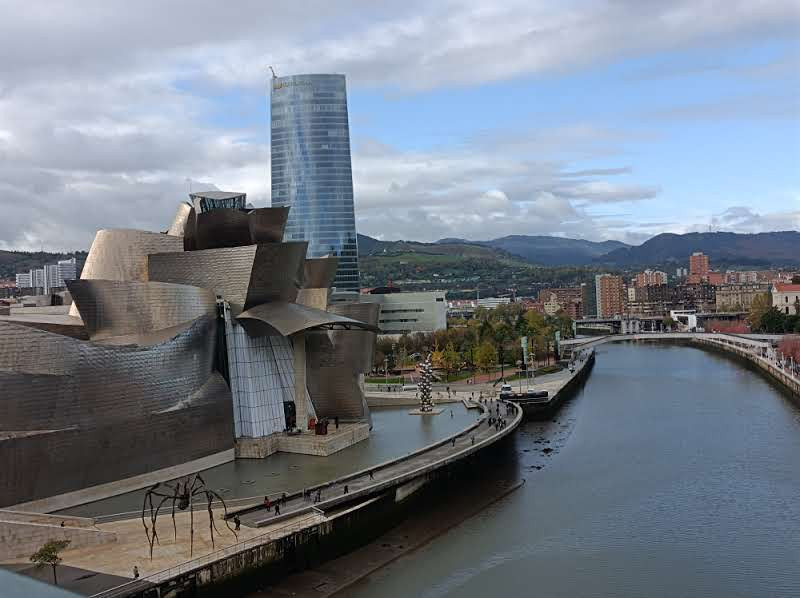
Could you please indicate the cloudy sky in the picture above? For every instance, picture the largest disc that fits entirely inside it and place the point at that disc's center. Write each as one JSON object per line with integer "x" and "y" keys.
{"x": 616, "y": 119}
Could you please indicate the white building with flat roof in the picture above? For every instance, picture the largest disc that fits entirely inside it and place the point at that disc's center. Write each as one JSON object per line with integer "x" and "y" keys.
{"x": 407, "y": 313}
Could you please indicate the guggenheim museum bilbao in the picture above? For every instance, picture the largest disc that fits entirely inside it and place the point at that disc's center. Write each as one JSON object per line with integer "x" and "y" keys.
{"x": 181, "y": 345}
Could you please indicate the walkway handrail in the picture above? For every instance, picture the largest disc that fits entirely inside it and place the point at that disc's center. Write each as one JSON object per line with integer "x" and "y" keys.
{"x": 202, "y": 560}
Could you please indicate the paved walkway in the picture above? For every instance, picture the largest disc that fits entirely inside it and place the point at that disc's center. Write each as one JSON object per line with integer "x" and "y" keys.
{"x": 389, "y": 474}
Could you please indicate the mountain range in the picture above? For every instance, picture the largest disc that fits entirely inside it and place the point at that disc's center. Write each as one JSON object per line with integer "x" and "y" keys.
{"x": 758, "y": 250}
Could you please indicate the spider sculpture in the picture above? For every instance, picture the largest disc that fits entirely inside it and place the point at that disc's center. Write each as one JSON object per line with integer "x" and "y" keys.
{"x": 182, "y": 494}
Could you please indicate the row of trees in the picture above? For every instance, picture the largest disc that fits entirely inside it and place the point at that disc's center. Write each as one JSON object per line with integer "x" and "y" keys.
{"x": 490, "y": 338}
{"x": 763, "y": 317}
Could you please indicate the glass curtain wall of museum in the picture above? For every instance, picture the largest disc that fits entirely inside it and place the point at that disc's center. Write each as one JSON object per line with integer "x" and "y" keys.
{"x": 311, "y": 169}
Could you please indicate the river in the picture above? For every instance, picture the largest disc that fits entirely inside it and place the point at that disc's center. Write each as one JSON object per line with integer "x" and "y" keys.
{"x": 676, "y": 472}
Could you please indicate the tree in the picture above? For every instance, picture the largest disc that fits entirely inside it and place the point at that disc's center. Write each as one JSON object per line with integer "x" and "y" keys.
{"x": 48, "y": 555}
{"x": 761, "y": 304}
{"x": 790, "y": 347}
{"x": 486, "y": 356}
{"x": 450, "y": 359}
{"x": 773, "y": 321}
{"x": 668, "y": 322}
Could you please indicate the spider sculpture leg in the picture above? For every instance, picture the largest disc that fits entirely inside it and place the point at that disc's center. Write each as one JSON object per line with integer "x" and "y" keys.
{"x": 191, "y": 527}
{"x": 174, "y": 500}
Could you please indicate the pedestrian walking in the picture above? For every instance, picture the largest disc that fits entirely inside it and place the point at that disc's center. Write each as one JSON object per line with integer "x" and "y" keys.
{"x": 277, "y": 508}
{"x": 454, "y": 441}
{"x": 267, "y": 503}
{"x": 336, "y": 421}
{"x": 346, "y": 489}
{"x": 451, "y": 413}
{"x": 371, "y": 477}
{"x": 237, "y": 523}
{"x": 473, "y": 440}
{"x": 135, "y": 572}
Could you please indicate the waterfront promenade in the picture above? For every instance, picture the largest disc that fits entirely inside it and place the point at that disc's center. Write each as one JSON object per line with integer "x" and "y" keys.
{"x": 260, "y": 527}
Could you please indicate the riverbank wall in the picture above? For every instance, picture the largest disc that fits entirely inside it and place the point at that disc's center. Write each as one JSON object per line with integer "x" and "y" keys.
{"x": 760, "y": 364}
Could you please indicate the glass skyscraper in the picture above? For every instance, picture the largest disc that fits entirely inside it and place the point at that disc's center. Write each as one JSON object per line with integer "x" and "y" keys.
{"x": 311, "y": 170}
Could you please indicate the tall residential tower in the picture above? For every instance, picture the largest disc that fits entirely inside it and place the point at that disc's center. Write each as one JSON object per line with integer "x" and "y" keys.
{"x": 311, "y": 170}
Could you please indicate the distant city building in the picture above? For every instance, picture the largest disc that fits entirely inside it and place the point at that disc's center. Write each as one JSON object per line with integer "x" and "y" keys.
{"x": 311, "y": 169}
{"x": 589, "y": 299}
{"x": 566, "y": 299}
{"x": 700, "y": 296}
{"x": 681, "y": 272}
{"x": 650, "y": 277}
{"x": 50, "y": 277}
{"x": 738, "y": 297}
{"x": 611, "y": 295}
{"x": 650, "y": 300}
{"x": 24, "y": 280}
{"x": 39, "y": 279}
{"x": 492, "y": 302}
{"x": 406, "y": 313}
{"x": 743, "y": 277}
{"x": 786, "y": 298}
{"x": 698, "y": 264}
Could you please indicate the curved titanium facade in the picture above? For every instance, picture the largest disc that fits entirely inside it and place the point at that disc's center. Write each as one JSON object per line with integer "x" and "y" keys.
{"x": 244, "y": 276}
{"x": 75, "y": 414}
{"x": 336, "y": 362}
{"x": 121, "y": 254}
{"x": 227, "y": 227}
{"x": 311, "y": 169}
{"x": 178, "y": 226}
{"x": 114, "y": 308}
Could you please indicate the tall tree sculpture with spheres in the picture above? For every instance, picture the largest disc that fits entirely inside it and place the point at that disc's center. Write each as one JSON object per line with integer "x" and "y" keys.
{"x": 426, "y": 375}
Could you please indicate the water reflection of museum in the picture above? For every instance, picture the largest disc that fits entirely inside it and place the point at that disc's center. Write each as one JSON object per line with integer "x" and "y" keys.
{"x": 180, "y": 346}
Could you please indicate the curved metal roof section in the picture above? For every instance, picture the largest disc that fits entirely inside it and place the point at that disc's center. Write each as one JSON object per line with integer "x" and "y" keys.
{"x": 288, "y": 318}
{"x": 111, "y": 308}
{"x": 365, "y": 312}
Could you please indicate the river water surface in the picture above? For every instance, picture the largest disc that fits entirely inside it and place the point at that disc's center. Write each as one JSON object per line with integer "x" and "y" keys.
{"x": 676, "y": 472}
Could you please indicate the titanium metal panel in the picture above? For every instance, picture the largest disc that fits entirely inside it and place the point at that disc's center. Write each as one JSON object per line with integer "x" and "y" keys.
{"x": 103, "y": 382}
{"x": 111, "y": 412}
{"x": 229, "y": 227}
{"x": 115, "y": 308}
{"x": 320, "y": 272}
{"x": 121, "y": 254}
{"x": 289, "y": 318}
{"x": 243, "y": 276}
{"x": 336, "y": 361}
{"x": 267, "y": 224}
{"x": 178, "y": 226}
{"x": 225, "y": 227}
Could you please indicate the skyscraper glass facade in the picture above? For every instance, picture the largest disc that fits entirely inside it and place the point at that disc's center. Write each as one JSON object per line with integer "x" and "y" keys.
{"x": 311, "y": 170}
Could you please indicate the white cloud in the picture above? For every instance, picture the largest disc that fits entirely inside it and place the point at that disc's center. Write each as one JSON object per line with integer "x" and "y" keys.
{"x": 105, "y": 110}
